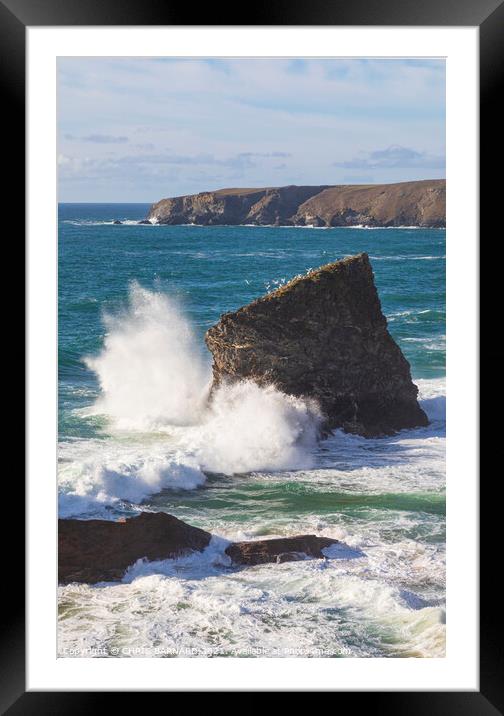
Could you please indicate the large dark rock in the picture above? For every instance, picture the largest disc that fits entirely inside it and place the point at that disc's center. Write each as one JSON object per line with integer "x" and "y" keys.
{"x": 99, "y": 550}
{"x": 416, "y": 203}
{"x": 283, "y": 549}
{"x": 93, "y": 551}
{"x": 323, "y": 336}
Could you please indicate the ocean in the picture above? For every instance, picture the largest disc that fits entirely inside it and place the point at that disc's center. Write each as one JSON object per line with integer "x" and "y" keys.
{"x": 135, "y": 434}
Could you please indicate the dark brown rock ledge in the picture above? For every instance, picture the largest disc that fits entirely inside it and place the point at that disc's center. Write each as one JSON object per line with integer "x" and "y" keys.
{"x": 283, "y": 549}
{"x": 323, "y": 336}
{"x": 100, "y": 550}
{"x": 94, "y": 551}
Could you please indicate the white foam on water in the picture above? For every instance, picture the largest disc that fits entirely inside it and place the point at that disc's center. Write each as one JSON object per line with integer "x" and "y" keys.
{"x": 379, "y": 593}
{"x": 150, "y": 370}
{"x": 248, "y": 428}
{"x": 165, "y": 435}
{"x": 412, "y": 316}
{"x": 245, "y": 428}
{"x": 164, "y": 432}
{"x": 410, "y": 257}
{"x": 391, "y": 228}
{"x": 108, "y": 222}
{"x": 432, "y": 397}
{"x": 436, "y": 343}
{"x": 199, "y": 606}
{"x": 94, "y": 474}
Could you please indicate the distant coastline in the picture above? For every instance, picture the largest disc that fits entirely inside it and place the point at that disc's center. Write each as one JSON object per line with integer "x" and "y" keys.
{"x": 413, "y": 204}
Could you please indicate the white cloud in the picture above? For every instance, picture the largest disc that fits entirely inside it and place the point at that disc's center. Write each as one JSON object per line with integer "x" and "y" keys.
{"x": 98, "y": 139}
{"x": 394, "y": 157}
{"x": 150, "y": 123}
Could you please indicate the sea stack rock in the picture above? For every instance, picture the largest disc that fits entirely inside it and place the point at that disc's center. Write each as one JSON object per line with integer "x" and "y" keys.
{"x": 323, "y": 336}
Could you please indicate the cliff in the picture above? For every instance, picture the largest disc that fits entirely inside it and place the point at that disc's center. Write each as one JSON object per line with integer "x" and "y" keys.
{"x": 323, "y": 336}
{"x": 418, "y": 203}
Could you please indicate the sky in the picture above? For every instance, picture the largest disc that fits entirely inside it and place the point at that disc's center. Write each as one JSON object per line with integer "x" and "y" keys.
{"x": 141, "y": 129}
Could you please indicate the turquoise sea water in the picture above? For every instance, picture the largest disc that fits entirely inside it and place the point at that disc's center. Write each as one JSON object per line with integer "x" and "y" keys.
{"x": 134, "y": 303}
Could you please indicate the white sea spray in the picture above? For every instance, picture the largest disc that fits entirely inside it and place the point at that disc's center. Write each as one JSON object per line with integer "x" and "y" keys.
{"x": 150, "y": 371}
{"x": 165, "y": 432}
{"x": 379, "y": 593}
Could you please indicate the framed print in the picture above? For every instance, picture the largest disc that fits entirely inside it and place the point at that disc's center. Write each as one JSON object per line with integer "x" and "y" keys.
{"x": 252, "y": 362}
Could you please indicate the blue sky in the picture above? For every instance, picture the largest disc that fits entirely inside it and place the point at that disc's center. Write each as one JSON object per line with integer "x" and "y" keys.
{"x": 139, "y": 129}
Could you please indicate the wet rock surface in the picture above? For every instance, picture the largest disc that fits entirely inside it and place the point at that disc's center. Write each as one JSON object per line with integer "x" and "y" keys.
{"x": 101, "y": 550}
{"x": 284, "y": 549}
{"x": 92, "y": 551}
{"x": 323, "y": 336}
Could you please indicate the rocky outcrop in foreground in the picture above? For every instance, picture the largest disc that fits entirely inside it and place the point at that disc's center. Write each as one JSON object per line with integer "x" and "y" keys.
{"x": 94, "y": 551}
{"x": 101, "y": 550}
{"x": 416, "y": 203}
{"x": 285, "y": 549}
{"x": 323, "y": 336}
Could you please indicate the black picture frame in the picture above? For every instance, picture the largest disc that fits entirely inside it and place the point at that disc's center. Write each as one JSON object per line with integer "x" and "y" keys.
{"x": 488, "y": 15}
